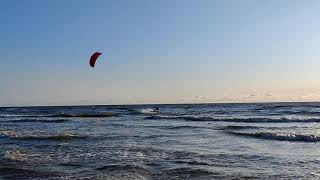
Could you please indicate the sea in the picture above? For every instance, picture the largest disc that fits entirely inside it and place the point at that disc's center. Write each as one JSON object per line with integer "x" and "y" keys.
{"x": 182, "y": 141}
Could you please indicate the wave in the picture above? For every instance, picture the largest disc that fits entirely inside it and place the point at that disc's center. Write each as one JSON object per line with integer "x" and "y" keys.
{"x": 280, "y": 136}
{"x": 23, "y": 173}
{"x": 192, "y": 162}
{"x": 186, "y": 173}
{"x": 59, "y": 137}
{"x": 14, "y": 109}
{"x": 183, "y": 127}
{"x": 106, "y": 114}
{"x": 274, "y": 106}
{"x": 232, "y": 127}
{"x": 121, "y": 171}
{"x": 240, "y": 120}
{"x": 18, "y": 115}
{"x": 146, "y": 173}
{"x": 133, "y": 112}
{"x": 114, "y": 167}
{"x": 62, "y": 115}
{"x": 38, "y": 120}
{"x": 295, "y": 112}
{"x": 156, "y": 117}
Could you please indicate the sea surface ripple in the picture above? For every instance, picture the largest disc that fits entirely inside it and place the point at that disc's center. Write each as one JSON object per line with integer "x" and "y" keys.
{"x": 182, "y": 141}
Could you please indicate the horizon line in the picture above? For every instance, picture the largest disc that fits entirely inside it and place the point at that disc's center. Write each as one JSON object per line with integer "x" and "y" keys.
{"x": 140, "y": 104}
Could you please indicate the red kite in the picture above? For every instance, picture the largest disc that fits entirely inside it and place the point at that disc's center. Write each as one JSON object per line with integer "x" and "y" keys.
{"x": 94, "y": 58}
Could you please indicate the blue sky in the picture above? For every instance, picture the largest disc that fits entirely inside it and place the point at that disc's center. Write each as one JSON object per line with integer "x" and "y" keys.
{"x": 168, "y": 51}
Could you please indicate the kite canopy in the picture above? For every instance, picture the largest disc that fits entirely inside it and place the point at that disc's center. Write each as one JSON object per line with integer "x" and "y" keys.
{"x": 94, "y": 58}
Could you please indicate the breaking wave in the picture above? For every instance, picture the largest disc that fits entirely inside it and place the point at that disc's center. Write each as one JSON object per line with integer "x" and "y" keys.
{"x": 25, "y": 156}
{"x": 279, "y": 136}
{"x": 17, "y": 155}
{"x": 18, "y": 115}
{"x": 240, "y": 120}
{"x": 29, "y": 136}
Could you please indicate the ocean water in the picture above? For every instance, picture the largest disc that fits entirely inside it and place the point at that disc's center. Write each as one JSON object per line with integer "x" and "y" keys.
{"x": 192, "y": 141}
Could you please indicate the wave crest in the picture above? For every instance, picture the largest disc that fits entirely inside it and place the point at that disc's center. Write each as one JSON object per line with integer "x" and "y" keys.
{"x": 60, "y": 137}
{"x": 31, "y": 136}
{"x": 280, "y": 136}
{"x": 105, "y": 114}
{"x": 231, "y": 119}
{"x": 38, "y": 120}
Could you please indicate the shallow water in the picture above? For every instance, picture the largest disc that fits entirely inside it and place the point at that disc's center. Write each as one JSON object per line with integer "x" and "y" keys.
{"x": 204, "y": 141}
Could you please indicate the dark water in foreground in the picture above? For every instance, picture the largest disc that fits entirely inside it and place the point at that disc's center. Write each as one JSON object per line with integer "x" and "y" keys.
{"x": 208, "y": 141}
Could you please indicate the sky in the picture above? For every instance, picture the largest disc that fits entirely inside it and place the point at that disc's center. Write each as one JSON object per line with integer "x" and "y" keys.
{"x": 158, "y": 51}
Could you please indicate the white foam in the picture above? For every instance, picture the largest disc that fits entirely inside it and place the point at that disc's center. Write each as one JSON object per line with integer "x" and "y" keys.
{"x": 25, "y": 156}
{"x": 17, "y": 155}
{"x": 148, "y": 111}
{"x": 281, "y": 136}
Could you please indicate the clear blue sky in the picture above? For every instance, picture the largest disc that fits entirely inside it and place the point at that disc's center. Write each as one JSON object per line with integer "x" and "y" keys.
{"x": 158, "y": 51}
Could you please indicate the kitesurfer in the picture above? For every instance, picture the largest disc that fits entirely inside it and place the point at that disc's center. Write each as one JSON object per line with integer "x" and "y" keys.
{"x": 156, "y": 109}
